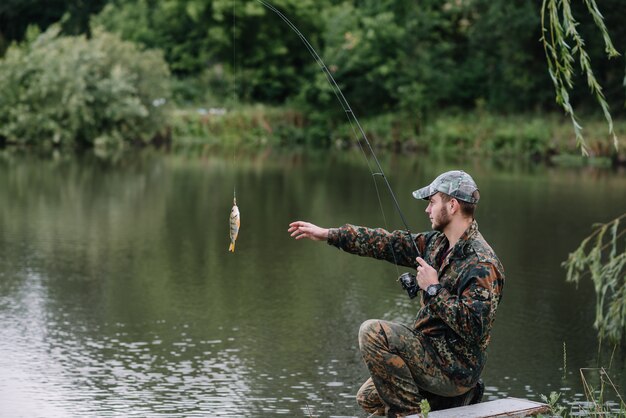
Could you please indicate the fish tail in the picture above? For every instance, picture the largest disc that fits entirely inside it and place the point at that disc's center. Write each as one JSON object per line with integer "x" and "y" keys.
{"x": 231, "y": 248}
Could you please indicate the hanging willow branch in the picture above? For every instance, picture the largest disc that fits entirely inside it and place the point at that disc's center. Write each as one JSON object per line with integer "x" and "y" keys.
{"x": 603, "y": 256}
{"x": 556, "y": 38}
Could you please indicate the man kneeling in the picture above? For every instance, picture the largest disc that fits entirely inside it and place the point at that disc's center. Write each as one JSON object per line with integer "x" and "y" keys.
{"x": 439, "y": 358}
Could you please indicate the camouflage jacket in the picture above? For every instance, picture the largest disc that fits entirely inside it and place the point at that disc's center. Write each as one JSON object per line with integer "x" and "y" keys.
{"x": 458, "y": 320}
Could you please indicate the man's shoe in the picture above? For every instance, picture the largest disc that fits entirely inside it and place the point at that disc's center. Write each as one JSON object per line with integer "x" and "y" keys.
{"x": 476, "y": 394}
{"x": 473, "y": 396}
{"x": 478, "y": 390}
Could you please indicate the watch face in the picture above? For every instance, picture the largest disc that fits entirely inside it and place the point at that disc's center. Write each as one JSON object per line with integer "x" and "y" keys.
{"x": 433, "y": 289}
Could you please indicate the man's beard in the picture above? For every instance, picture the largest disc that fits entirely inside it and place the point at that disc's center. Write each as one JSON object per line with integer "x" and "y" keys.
{"x": 442, "y": 220}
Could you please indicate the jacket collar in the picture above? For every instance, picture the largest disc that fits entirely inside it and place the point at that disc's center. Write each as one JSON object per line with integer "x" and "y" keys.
{"x": 469, "y": 234}
{"x": 459, "y": 250}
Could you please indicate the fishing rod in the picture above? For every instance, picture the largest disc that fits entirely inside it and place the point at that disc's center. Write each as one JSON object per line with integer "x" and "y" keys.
{"x": 347, "y": 109}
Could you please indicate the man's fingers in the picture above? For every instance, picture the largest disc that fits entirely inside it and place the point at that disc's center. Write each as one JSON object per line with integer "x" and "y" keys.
{"x": 299, "y": 229}
{"x": 294, "y": 226}
{"x": 423, "y": 264}
{"x": 297, "y": 232}
{"x": 298, "y": 225}
{"x": 302, "y": 233}
{"x": 421, "y": 261}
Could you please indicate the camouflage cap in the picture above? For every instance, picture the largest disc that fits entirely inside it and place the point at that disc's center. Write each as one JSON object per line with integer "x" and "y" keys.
{"x": 456, "y": 183}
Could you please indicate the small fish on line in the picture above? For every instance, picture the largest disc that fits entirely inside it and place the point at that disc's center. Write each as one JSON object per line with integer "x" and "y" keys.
{"x": 235, "y": 221}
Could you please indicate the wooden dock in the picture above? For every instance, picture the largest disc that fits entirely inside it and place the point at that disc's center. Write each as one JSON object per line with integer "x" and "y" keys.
{"x": 506, "y": 407}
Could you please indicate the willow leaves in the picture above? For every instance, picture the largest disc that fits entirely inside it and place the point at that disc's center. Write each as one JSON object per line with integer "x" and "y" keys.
{"x": 602, "y": 256}
{"x": 563, "y": 45}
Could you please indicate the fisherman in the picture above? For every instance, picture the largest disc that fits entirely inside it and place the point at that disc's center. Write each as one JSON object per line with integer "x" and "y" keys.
{"x": 442, "y": 355}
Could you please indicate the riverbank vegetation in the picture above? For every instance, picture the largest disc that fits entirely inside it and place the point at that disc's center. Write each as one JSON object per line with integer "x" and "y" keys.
{"x": 533, "y": 137}
{"x": 456, "y": 76}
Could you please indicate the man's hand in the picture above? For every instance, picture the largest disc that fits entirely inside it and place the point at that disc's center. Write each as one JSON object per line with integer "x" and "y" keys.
{"x": 300, "y": 229}
{"x": 426, "y": 275}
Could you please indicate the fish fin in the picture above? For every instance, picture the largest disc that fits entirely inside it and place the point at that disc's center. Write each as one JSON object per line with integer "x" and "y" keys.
{"x": 231, "y": 248}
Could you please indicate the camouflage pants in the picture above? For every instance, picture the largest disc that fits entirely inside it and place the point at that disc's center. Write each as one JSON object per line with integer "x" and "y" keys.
{"x": 401, "y": 366}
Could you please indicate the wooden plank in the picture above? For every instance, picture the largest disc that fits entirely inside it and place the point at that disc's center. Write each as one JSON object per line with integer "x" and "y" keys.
{"x": 507, "y": 407}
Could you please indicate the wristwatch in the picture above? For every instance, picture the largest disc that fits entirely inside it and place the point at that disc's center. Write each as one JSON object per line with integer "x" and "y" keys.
{"x": 433, "y": 289}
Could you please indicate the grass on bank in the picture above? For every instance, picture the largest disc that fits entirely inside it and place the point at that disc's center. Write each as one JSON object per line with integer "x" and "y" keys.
{"x": 547, "y": 137}
{"x": 603, "y": 398}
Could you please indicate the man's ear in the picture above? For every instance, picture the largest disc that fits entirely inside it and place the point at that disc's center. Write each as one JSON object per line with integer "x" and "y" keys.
{"x": 454, "y": 205}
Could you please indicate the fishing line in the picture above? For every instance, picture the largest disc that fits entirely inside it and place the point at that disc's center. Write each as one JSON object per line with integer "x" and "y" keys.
{"x": 353, "y": 121}
{"x": 234, "y": 80}
{"x": 235, "y": 215}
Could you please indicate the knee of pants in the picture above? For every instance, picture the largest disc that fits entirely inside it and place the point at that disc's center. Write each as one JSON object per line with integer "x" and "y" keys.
{"x": 368, "y": 330}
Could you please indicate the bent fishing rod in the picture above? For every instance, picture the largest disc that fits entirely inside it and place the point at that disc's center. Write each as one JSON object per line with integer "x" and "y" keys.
{"x": 347, "y": 109}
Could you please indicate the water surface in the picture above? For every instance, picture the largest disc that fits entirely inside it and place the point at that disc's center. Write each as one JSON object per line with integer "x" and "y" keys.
{"x": 118, "y": 296}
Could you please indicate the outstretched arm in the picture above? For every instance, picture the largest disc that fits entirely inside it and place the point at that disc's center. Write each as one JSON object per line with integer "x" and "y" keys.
{"x": 395, "y": 247}
{"x": 301, "y": 229}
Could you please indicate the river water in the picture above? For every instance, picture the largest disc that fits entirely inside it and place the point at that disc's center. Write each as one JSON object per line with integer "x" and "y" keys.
{"x": 118, "y": 296}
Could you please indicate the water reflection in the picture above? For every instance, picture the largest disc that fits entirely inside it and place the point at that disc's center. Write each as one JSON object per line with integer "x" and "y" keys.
{"x": 118, "y": 297}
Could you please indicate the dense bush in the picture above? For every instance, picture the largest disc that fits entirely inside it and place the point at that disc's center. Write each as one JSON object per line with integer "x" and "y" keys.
{"x": 74, "y": 90}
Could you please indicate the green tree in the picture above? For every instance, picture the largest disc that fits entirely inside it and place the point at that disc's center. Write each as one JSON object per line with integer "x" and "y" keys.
{"x": 503, "y": 60}
{"x": 422, "y": 57}
{"x": 386, "y": 56}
